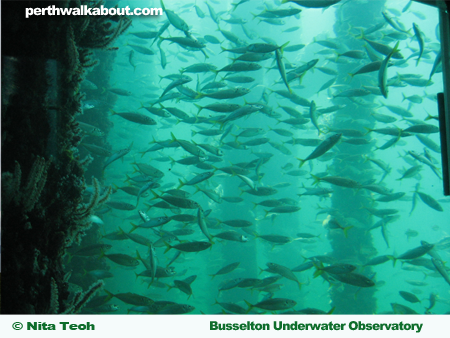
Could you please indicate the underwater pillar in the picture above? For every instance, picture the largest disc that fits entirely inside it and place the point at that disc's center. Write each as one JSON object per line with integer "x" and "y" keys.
{"x": 357, "y": 247}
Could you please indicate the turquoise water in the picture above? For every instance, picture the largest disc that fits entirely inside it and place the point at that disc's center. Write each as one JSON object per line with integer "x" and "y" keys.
{"x": 360, "y": 166}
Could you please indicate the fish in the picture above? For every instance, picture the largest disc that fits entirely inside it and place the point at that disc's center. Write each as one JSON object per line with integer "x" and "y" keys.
{"x": 382, "y": 73}
{"x": 272, "y": 304}
{"x": 131, "y": 298}
{"x": 313, "y": 3}
{"x": 354, "y": 279}
{"x": 90, "y": 129}
{"x": 194, "y": 246}
{"x": 189, "y": 147}
{"x": 392, "y": 23}
{"x": 117, "y": 155}
{"x": 175, "y": 20}
{"x": 416, "y": 252}
{"x": 440, "y": 267}
{"x": 226, "y": 269}
{"x": 322, "y": 148}
{"x": 202, "y": 225}
{"x": 232, "y": 236}
{"x": 283, "y": 271}
{"x": 141, "y": 50}
{"x": 136, "y": 118}
{"x": 179, "y": 202}
{"x": 121, "y": 259}
{"x": 198, "y": 179}
{"x": 409, "y": 297}
{"x": 275, "y": 239}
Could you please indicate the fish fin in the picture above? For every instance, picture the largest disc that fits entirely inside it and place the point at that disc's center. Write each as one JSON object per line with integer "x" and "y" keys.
{"x": 316, "y": 179}
{"x": 250, "y": 306}
{"x": 155, "y": 194}
{"x": 284, "y": 45}
{"x": 301, "y": 162}
{"x": 134, "y": 227}
{"x": 199, "y": 95}
{"x": 168, "y": 247}
{"x": 110, "y": 295}
{"x": 346, "y": 229}
{"x": 181, "y": 183}
{"x": 362, "y": 36}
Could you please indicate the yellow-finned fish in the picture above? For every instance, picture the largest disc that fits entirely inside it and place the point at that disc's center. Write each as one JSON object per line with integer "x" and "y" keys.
{"x": 382, "y": 73}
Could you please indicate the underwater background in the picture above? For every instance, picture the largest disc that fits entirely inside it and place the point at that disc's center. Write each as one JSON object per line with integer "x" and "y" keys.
{"x": 227, "y": 157}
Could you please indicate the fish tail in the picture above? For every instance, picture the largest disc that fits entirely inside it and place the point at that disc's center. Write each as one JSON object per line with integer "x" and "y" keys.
{"x": 256, "y": 204}
{"x": 318, "y": 272}
{"x": 138, "y": 256}
{"x": 168, "y": 247}
{"x": 134, "y": 227}
{"x": 395, "y": 48}
{"x": 110, "y": 295}
{"x": 174, "y": 139}
{"x": 155, "y": 194}
{"x": 172, "y": 162}
{"x": 394, "y": 260}
{"x": 368, "y": 130}
{"x": 115, "y": 188}
{"x": 282, "y": 46}
{"x": 193, "y": 133}
{"x": 250, "y": 306}
{"x": 70, "y": 257}
{"x": 362, "y": 37}
{"x": 200, "y": 108}
{"x": 338, "y": 55}
{"x": 301, "y": 162}
{"x": 112, "y": 111}
{"x": 101, "y": 255}
{"x": 346, "y": 229}
{"x": 181, "y": 183}
{"x": 199, "y": 95}
{"x": 316, "y": 179}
